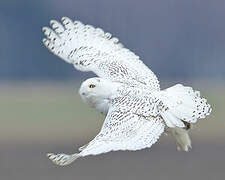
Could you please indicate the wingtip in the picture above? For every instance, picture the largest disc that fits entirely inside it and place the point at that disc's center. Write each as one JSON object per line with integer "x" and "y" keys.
{"x": 62, "y": 159}
{"x": 64, "y": 18}
{"x": 52, "y": 22}
{"x": 44, "y": 40}
{"x": 49, "y": 155}
{"x": 44, "y": 29}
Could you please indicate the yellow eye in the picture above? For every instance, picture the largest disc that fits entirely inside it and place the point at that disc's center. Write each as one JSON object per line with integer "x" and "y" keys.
{"x": 91, "y": 86}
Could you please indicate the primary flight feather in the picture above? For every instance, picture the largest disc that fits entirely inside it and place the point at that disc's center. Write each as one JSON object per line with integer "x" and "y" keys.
{"x": 90, "y": 49}
{"x": 127, "y": 92}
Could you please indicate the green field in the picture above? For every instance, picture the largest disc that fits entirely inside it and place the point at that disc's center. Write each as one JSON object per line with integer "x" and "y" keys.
{"x": 53, "y": 111}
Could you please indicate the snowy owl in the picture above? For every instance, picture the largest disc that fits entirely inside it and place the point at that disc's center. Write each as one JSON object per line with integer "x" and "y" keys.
{"x": 126, "y": 91}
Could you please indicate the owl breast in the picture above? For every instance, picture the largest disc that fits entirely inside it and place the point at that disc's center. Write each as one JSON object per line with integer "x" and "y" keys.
{"x": 102, "y": 106}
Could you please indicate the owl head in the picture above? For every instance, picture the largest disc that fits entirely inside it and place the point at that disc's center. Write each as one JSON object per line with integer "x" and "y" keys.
{"x": 95, "y": 89}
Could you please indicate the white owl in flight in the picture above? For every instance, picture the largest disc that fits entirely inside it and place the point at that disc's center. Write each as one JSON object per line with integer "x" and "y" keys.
{"x": 126, "y": 91}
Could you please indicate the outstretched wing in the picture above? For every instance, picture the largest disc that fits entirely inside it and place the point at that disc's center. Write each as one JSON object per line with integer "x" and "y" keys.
{"x": 90, "y": 49}
{"x": 121, "y": 131}
{"x": 125, "y": 131}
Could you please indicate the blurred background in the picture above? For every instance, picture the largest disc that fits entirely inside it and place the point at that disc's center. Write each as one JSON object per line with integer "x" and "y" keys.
{"x": 40, "y": 110}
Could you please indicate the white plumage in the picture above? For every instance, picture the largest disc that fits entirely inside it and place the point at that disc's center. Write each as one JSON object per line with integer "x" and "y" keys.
{"x": 127, "y": 92}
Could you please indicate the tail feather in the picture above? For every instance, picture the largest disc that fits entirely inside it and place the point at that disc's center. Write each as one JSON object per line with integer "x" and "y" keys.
{"x": 184, "y": 104}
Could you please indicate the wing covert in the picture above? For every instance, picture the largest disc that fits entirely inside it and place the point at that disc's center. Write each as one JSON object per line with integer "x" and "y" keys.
{"x": 125, "y": 131}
